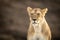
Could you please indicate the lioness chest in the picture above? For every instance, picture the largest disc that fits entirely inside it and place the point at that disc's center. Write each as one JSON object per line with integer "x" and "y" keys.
{"x": 38, "y": 32}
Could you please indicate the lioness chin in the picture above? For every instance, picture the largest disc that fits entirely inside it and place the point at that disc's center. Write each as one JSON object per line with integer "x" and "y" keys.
{"x": 38, "y": 28}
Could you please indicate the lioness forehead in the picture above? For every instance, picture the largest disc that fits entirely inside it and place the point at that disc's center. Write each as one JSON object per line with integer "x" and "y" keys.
{"x": 36, "y": 10}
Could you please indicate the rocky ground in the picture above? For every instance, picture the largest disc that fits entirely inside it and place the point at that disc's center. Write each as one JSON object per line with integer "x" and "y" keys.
{"x": 14, "y": 20}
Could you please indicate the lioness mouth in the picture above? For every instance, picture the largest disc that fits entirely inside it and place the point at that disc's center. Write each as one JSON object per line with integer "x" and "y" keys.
{"x": 34, "y": 22}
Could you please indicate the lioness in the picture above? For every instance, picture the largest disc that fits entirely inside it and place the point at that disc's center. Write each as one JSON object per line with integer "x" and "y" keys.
{"x": 38, "y": 29}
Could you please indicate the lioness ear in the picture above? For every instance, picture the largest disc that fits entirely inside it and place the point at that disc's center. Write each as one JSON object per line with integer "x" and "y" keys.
{"x": 29, "y": 9}
{"x": 44, "y": 11}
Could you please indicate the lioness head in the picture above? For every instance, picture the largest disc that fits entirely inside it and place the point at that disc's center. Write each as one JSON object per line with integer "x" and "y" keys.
{"x": 36, "y": 14}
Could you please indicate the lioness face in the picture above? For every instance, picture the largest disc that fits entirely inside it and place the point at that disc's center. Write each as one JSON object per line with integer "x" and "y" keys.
{"x": 36, "y": 14}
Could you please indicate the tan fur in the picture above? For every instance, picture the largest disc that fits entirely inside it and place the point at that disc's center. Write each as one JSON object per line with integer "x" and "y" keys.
{"x": 38, "y": 29}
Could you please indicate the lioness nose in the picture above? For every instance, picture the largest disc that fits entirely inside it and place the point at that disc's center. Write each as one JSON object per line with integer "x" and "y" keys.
{"x": 34, "y": 19}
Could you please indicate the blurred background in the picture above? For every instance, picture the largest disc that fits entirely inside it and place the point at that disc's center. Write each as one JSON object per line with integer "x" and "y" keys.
{"x": 14, "y": 19}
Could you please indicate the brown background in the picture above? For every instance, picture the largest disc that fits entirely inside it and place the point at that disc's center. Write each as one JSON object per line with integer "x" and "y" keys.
{"x": 14, "y": 20}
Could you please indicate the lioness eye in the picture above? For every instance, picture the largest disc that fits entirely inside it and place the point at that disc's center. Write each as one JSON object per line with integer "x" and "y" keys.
{"x": 37, "y": 13}
{"x": 31, "y": 14}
